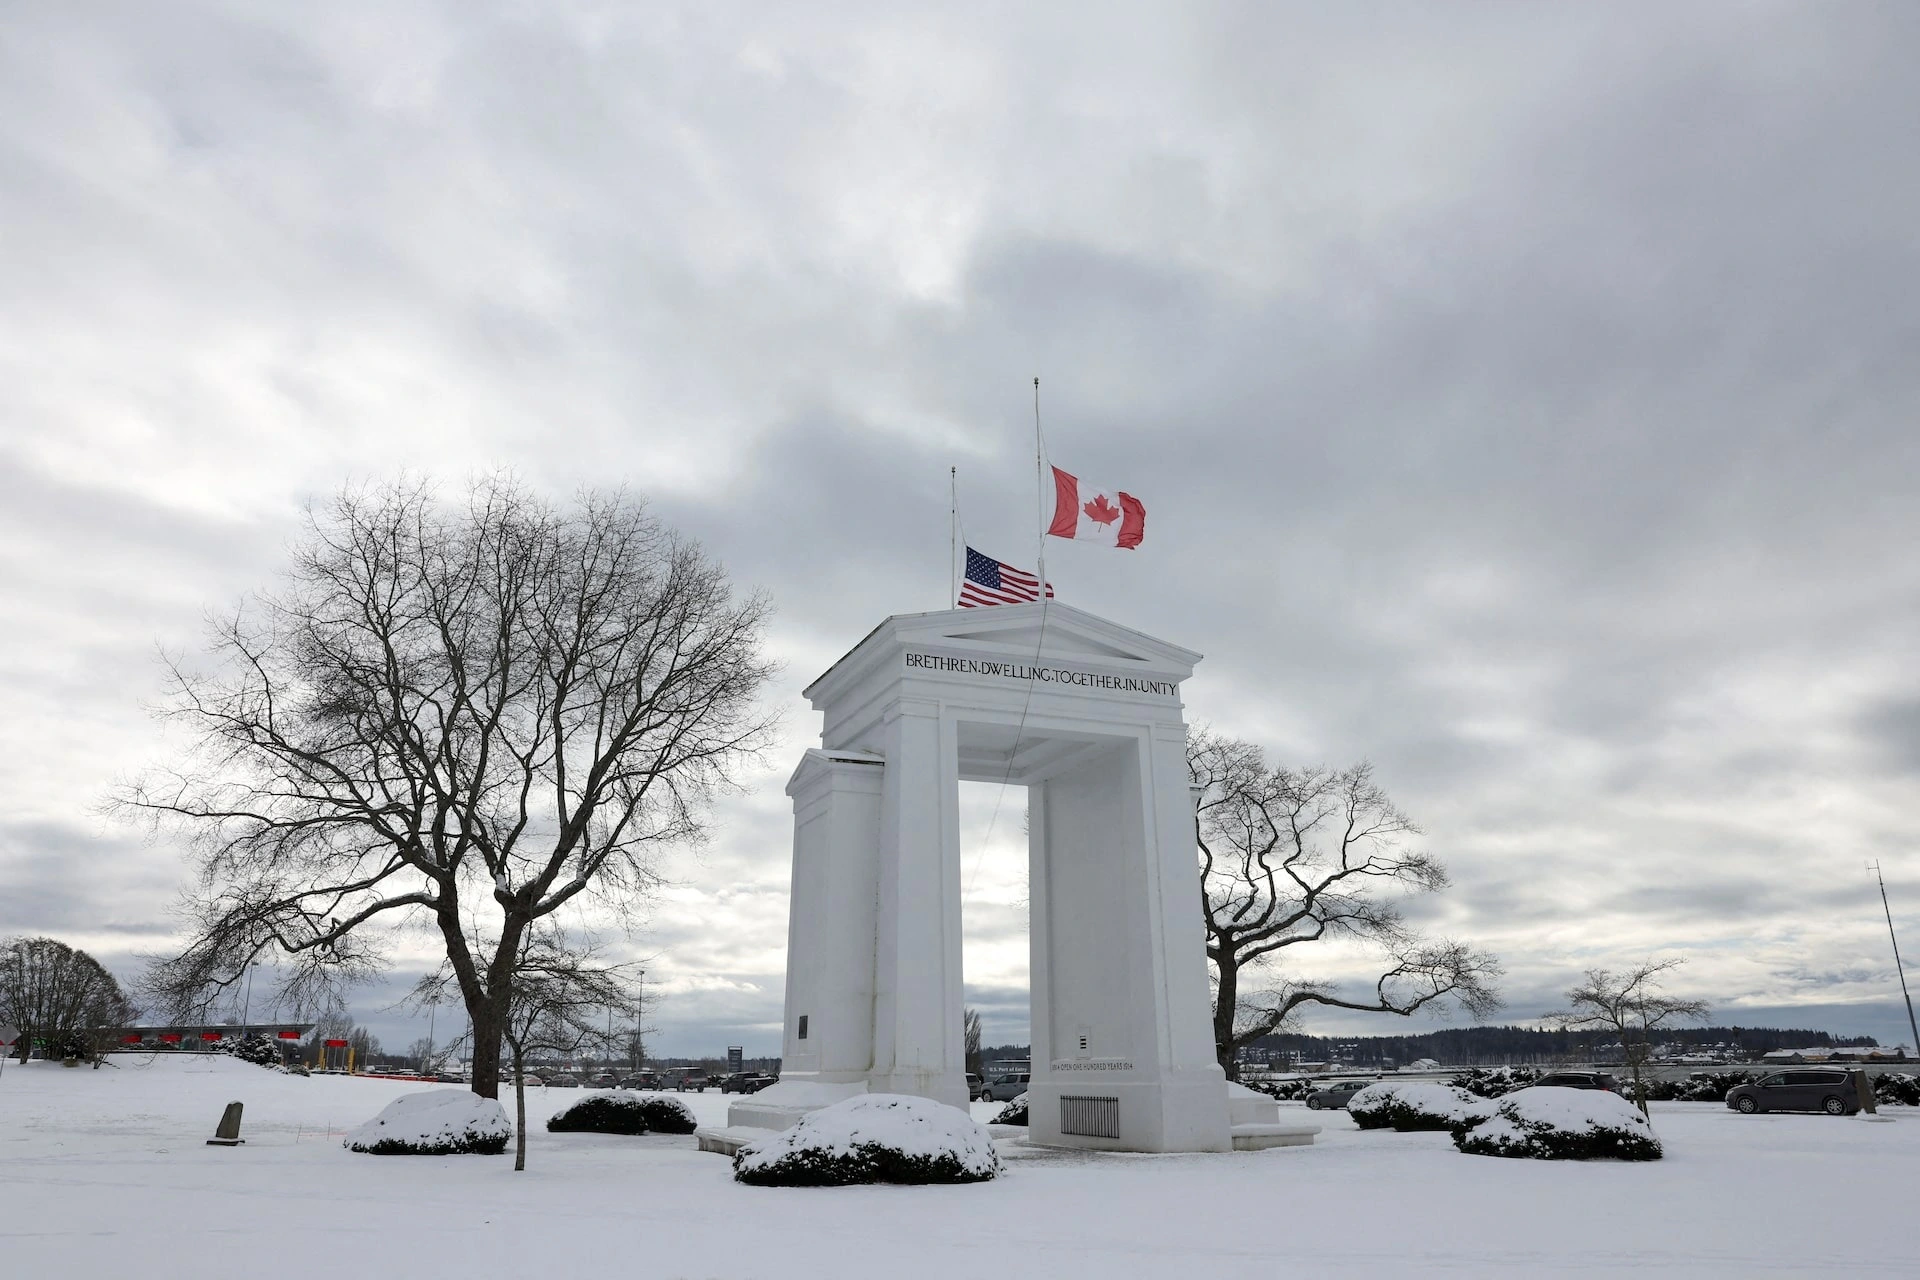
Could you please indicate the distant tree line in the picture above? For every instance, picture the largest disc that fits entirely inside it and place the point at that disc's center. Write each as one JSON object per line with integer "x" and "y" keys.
{"x": 1472, "y": 1046}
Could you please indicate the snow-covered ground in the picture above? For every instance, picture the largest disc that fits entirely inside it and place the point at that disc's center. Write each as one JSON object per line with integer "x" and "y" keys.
{"x": 106, "y": 1173}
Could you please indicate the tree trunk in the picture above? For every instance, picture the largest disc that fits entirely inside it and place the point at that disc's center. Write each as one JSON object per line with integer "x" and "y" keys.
{"x": 490, "y": 1014}
{"x": 519, "y": 1114}
{"x": 1225, "y": 1005}
{"x": 486, "y": 1050}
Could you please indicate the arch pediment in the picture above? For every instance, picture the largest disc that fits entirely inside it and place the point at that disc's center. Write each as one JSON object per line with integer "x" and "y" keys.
{"x": 1035, "y": 634}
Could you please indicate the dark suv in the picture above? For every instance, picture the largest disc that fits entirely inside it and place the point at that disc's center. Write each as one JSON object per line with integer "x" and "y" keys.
{"x": 1335, "y": 1097}
{"x": 1578, "y": 1080}
{"x": 747, "y": 1082}
{"x": 1810, "y": 1090}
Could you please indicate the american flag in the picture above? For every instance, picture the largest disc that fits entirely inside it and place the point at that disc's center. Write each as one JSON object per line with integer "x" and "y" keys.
{"x": 990, "y": 582}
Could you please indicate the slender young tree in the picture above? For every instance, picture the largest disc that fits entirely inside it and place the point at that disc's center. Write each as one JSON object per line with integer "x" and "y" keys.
{"x": 1632, "y": 1006}
{"x": 1290, "y": 857}
{"x": 561, "y": 992}
{"x": 465, "y": 715}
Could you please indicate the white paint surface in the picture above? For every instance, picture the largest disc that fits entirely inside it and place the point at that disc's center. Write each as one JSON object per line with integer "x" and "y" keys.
{"x": 1087, "y": 715}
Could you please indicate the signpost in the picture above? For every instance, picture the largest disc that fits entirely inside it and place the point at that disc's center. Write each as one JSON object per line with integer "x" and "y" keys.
{"x": 735, "y": 1055}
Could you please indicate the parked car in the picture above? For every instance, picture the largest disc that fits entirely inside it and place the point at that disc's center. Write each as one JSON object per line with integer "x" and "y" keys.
{"x": 561, "y": 1080}
{"x": 641, "y": 1080}
{"x": 1811, "y": 1090}
{"x": 450, "y": 1077}
{"x": 1005, "y": 1088}
{"x": 746, "y": 1082}
{"x": 1335, "y": 1097}
{"x": 604, "y": 1080}
{"x": 1578, "y": 1080}
{"x": 976, "y": 1087}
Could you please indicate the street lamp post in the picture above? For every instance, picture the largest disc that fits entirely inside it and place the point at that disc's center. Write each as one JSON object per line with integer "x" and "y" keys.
{"x": 639, "y": 1023}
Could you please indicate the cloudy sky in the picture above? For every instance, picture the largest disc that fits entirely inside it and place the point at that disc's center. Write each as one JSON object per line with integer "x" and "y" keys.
{"x": 1523, "y": 396}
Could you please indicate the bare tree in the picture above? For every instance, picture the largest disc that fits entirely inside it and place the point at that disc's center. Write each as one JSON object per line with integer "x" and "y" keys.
{"x": 1632, "y": 1006}
{"x": 61, "y": 997}
{"x": 467, "y": 716}
{"x": 420, "y": 1056}
{"x": 561, "y": 993}
{"x": 1294, "y": 856}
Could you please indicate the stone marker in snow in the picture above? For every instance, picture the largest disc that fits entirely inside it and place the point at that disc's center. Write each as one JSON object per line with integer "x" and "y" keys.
{"x": 439, "y": 1122}
{"x": 228, "y": 1132}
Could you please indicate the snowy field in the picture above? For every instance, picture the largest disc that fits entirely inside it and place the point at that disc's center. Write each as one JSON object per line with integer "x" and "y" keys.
{"x": 106, "y": 1173}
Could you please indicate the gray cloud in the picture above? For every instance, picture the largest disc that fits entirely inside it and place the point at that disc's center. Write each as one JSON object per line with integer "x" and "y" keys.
{"x": 1523, "y": 399}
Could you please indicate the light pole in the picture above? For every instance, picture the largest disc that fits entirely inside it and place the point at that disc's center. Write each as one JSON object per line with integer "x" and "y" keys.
{"x": 639, "y": 1023}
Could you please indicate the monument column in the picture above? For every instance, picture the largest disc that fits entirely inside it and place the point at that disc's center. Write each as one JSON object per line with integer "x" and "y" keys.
{"x": 917, "y": 1040}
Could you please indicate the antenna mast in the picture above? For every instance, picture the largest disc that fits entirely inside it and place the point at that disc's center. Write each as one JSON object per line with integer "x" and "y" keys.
{"x": 1040, "y": 494}
{"x": 1897, "y": 967}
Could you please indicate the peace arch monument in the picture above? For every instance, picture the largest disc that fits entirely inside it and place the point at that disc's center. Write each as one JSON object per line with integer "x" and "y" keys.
{"x": 1087, "y": 715}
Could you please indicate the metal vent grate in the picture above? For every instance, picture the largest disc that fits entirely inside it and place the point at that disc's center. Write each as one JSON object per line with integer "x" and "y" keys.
{"x": 1090, "y": 1117}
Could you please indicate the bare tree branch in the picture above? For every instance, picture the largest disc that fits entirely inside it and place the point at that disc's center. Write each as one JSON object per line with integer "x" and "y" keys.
{"x": 1632, "y": 1006}
{"x": 1294, "y": 856}
{"x": 464, "y": 716}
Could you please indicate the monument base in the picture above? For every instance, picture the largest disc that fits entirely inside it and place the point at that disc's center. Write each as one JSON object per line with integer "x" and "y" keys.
{"x": 780, "y": 1105}
{"x": 1137, "y": 1115}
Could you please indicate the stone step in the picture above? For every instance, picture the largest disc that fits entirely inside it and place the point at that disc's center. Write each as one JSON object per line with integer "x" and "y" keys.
{"x": 1258, "y": 1137}
{"x": 730, "y": 1139}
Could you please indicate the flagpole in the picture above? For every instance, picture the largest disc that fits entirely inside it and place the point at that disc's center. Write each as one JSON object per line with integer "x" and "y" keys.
{"x": 953, "y": 536}
{"x": 1040, "y": 490}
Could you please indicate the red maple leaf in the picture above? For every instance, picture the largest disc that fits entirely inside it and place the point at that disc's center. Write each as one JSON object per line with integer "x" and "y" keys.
{"x": 1100, "y": 511}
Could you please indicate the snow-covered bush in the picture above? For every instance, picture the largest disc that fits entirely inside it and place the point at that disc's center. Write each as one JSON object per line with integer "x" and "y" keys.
{"x": 1015, "y": 1112}
{"x": 1562, "y": 1124}
{"x": 618, "y": 1111}
{"x": 667, "y": 1115}
{"x": 875, "y": 1137}
{"x": 1702, "y": 1086}
{"x": 1897, "y": 1089}
{"x": 258, "y": 1050}
{"x": 439, "y": 1122}
{"x": 1292, "y": 1090}
{"x": 1414, "y": 1106}
{"x": 1495, "y": 1082}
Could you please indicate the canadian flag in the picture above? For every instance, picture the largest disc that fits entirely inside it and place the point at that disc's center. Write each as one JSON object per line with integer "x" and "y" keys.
{"x": 1085, "y": 511}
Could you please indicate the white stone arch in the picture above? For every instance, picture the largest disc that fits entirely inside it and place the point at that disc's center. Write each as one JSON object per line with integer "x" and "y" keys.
{"x": 1086, "y": 714}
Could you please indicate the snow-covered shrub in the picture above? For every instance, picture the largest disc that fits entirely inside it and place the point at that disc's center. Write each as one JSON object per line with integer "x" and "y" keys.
{"x": 667, "y": 1115}
{"x": 1495, "y": 1082}
{"x": 613, "y": 1112}
{"x": 1897, "y": 1089}
{"x": 439, "y": 1122}
{"x": 1414, "y": 1106}
{"x": 875, "y": 1137}
{"x": 1562, "y": 1124}
{"x": 618, "y": 1111}
{"x": 1292, "y": 1090}
{"x": 1015, "y": 1112}
{"x": 1702, "y": 1086}
{"x": 258, "y": 1050}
